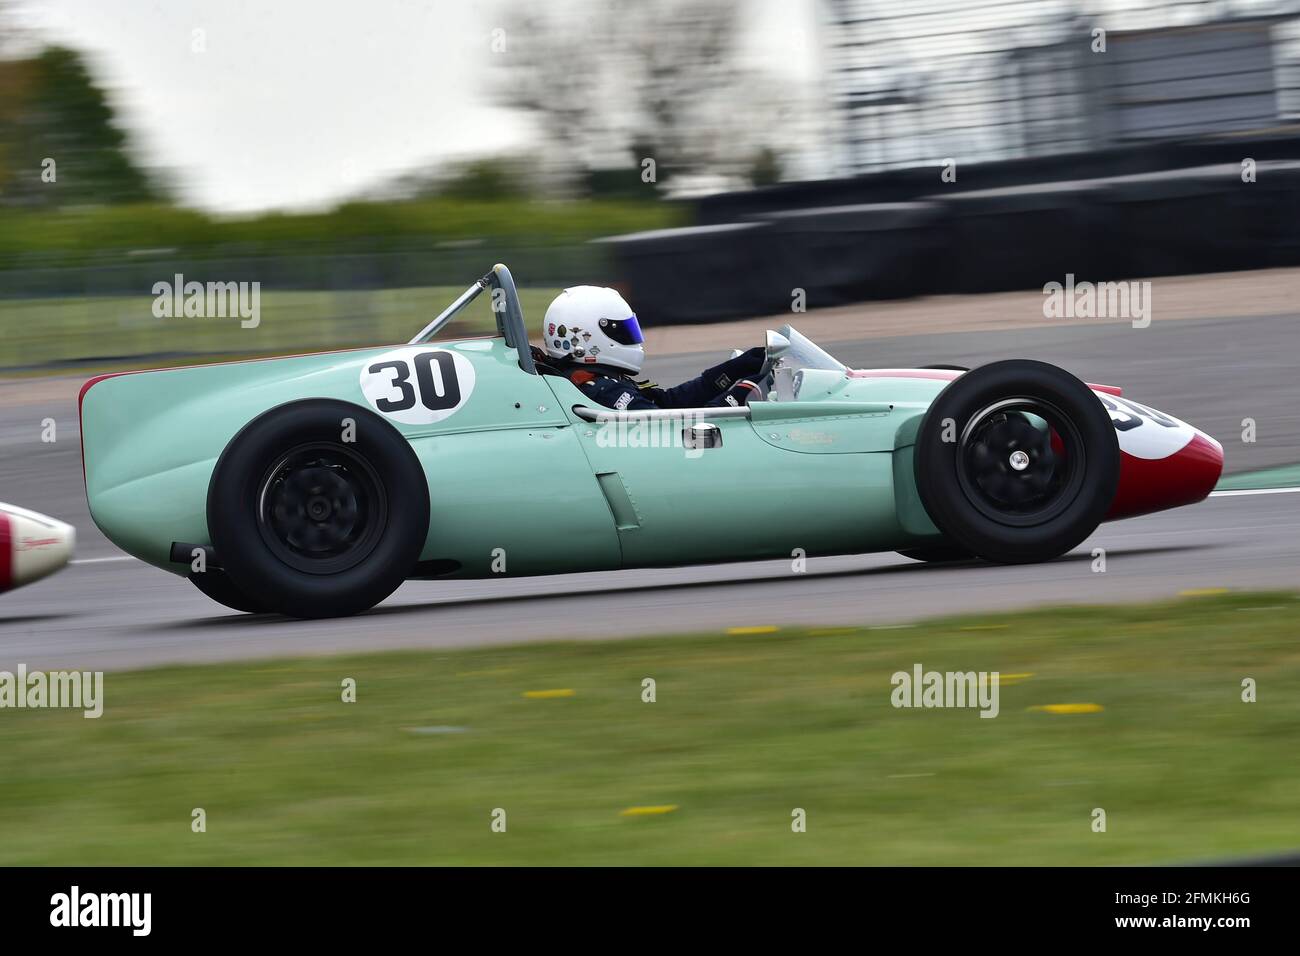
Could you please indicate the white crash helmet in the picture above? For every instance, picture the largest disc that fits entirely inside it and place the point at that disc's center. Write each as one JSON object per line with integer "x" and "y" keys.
{"x": 595, "y": 326}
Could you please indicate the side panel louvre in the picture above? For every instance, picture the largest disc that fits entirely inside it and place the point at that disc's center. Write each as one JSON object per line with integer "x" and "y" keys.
{"x": 625, "y": 516}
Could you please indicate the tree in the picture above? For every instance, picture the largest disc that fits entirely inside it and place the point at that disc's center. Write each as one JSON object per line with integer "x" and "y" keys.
{"x": 549, "y": 72}
{"x": 622, "y": 78}
{"x": 683, "y": 78}
{"x": 765, "y": 169}
{"x": 53, "y": 109}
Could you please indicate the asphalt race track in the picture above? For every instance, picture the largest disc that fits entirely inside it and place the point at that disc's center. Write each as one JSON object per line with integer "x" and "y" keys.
{"x": 109, "y": 611}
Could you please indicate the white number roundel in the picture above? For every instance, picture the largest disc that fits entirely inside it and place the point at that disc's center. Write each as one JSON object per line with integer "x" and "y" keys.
{"x": 1144, "y": 432}
{"x": 417, "y": 385}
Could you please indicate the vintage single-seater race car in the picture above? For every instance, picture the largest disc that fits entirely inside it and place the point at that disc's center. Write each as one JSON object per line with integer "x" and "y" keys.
{"x": 32, "y": 546}
{"x": 315, "y": 485}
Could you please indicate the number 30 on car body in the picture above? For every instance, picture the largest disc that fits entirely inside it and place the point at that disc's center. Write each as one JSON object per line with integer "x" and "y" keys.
{"x": 418, "y": 385}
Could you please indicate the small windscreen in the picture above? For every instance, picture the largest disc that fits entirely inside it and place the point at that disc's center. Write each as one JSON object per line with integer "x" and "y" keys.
{"x": 805, "y": 353}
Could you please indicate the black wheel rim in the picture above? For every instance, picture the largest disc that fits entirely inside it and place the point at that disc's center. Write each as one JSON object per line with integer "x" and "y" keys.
{"x": 321, "y": 508}
{"x": 1018, "y": 471}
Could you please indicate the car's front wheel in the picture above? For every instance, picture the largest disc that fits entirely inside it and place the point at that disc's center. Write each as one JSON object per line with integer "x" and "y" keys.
{"x": 318, "y": 508}
{"x": 1017, "y": 461}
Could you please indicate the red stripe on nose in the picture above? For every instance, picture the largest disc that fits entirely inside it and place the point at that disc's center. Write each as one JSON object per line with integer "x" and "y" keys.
{"x": 1154, "y": 484}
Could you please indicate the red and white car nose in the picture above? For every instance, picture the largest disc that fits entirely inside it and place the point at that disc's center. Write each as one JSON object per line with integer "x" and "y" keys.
{"x": 1164, "y": 462}
{"x": 32, "y": 546}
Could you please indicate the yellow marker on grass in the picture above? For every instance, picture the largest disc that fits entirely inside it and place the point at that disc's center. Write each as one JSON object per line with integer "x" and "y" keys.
{"x": 547, "y": 694}
{"x": 756, "y": 629}
{"x": 1068, "y": 708}
{"x": 648, "y": 811}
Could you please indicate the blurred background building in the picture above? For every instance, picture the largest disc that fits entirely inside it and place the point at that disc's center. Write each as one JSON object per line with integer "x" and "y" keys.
{"x": 917, "y": 82}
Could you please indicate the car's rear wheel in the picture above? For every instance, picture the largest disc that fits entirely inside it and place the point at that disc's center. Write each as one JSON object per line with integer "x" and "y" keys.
{"x": 318, "y": 508}
{"x": 216, "y": 584}
{"x": 1017, "y": 461}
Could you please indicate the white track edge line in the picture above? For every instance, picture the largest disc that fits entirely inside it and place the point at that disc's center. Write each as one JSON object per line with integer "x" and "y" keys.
{"x": 1254, "y": 491}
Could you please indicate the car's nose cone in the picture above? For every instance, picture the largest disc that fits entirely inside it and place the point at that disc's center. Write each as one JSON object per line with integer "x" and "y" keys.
{"x": 32, "y": 546}
{"x": 1181, "y": 477}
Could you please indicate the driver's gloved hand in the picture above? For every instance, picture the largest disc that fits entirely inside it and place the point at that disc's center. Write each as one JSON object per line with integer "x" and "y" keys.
{"x": 752, "y": 360}
{"x": 746, "y": 365}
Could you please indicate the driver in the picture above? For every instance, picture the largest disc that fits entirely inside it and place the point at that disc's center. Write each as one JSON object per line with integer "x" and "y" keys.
{"x": 591, "y": 337}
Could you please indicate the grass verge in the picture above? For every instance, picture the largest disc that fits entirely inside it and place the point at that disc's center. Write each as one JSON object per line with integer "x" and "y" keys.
{"x": 106, "y": 332}
{"x": 746, "y": 728}
{"x": 1284, "y": 476}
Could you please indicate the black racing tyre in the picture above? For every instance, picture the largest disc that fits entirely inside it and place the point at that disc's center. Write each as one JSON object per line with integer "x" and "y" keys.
{"x": 937, "y": 554}
{"x": 310, "y": 524}
{"x": 217, "y": 585}
{"x": 1017, "y": 461}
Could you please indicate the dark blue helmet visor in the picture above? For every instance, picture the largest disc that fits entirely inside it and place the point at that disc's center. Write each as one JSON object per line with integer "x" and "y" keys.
{"x": 623, "y": 331}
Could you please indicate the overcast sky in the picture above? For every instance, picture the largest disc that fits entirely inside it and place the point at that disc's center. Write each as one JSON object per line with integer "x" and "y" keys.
{"x": 298, "y": 102}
